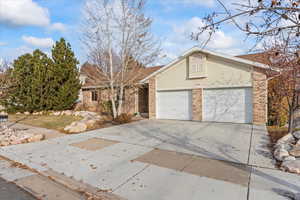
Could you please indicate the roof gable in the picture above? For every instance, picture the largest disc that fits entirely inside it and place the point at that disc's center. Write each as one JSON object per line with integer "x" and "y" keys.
{"x": 207, "y": 52}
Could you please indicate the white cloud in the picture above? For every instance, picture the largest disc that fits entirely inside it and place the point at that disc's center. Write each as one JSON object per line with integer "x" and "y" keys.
{"x": 23, "y": 12}
{"x": 3, "y": 43}
{"x": 170, "y": 3}
{"x": 58, "y": 27}
{"x": 38, "y": 42}
{"x": 199, "y": 2}
{"x": 180, "y": 40}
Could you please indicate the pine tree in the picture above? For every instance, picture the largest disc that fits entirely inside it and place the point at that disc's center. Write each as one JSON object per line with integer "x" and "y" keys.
{"x": 29, "y": 83}
{"x": 65, "y": 84}
{"x": 40, "y": 83}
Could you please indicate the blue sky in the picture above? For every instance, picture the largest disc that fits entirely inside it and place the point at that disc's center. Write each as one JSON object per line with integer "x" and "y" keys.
{"x": 26, "y": 25}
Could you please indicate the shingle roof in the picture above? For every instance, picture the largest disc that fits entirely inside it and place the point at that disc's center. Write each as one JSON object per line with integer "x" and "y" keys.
{"x": 95, "y": 77}
{"x": 262, "y": 57}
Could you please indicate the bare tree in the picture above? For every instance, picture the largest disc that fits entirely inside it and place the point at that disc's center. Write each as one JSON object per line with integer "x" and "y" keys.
{"x": 284, "y": 86}
{"x": 256, "y": 18}
{"x": 118, "y": 37}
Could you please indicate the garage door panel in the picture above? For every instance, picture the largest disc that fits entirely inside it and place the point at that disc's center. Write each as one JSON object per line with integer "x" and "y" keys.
{"x": 174, "y": 105}
{"x": 228, "y": 105}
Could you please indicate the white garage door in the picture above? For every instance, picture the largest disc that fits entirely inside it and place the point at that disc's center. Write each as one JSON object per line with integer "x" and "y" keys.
{"x": 227, "y": 105}
{"x": 174, "y": 105}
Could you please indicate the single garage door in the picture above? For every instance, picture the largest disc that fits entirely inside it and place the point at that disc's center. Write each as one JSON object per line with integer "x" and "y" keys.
{"x": 174, "y": 105}
{"x": 227, "y": 105}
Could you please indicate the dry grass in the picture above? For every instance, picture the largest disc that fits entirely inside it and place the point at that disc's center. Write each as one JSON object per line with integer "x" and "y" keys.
{"x": 45, "y": 121}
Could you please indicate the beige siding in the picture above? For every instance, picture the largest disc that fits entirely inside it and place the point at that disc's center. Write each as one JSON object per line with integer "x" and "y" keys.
{"x": 220, "y": 73}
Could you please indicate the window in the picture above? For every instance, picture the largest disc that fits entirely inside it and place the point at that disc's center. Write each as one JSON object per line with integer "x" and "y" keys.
{"x": 197, "y": 66}
{"x": 94, "y": 95}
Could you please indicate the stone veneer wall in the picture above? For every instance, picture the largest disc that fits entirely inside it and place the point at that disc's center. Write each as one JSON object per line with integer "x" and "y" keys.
{"x": 152, "y": 98}
{"x": 260, "y": 96}
{"x": 197, "y": 104}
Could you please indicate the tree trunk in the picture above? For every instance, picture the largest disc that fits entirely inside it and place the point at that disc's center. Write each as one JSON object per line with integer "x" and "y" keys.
{"x": 112, "y": 88}
{"x": 120, "y": 103}
{"x": 291, "y": 115}
{"x": 290, "y": 127}
{"x": 113, "y": 103}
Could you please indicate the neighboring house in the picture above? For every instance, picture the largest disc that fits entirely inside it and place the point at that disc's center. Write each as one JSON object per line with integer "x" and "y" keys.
{"x": 93, "y": 96}
{"x": 203, "y": 85}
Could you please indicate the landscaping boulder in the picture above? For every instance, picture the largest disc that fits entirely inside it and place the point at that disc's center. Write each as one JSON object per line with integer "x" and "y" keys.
{"x": 26, "y": 113}
{"x": 289, "y": 158}
{"x": 56, "y": 113}
{"x": 291, "y": 166}
{"x": 36, "y": 138}
{"x": 286, "y": 147}
{"x": 90, "y": 123}
{"x": 67, "y": 112}
{"x": 76, "y": 127}
{"x": 295, "y": 151}
{"x": 280, "y": 154}
{"x": 296, "y": 134}
{"x": 289, "y": 138}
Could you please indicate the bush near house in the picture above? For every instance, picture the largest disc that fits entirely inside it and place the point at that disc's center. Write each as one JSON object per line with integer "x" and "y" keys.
{"x": 277, "y": 103}
{"x": 41, "y": 83}
{"x": 124, "y": 118}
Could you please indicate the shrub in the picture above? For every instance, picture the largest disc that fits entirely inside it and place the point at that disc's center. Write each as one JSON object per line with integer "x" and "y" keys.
{"x": 124, "y": 118}
{"x": 106, "y": 107}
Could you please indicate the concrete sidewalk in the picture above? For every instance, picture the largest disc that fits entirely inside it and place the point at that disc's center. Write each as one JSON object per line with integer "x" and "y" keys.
{"x": 165, "y": 160}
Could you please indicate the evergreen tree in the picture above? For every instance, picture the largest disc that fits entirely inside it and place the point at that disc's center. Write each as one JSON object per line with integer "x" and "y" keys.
{"x": 66, "y": 84}
{"x": 40, "y": 83}
{"x": 29, "y": 83}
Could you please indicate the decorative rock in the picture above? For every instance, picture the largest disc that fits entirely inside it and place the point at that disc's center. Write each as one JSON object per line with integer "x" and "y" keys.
{"x": 289, "y": 158}
{"x": 291, "y": 166}
{"x": 57, "y": 113}
{"x": 36, "y": 138}
{"x": 295, "y": 151}
{"x": 90, "y": 123}
{"x": 76, "y": 127}
{"x": 296, "y": 134}
{"x": 287, "y": 147}
{"x": 26, "y": 113}
{"x": 9, "y": 136}
{"x": 289, "y": 138}
{"x": 280, "y": 154}
{"x": 68, "y": 112}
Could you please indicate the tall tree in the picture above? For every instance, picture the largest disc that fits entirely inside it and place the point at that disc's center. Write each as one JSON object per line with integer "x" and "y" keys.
{"x": 30, "y": 78}
{"x": 65, "y": 76}
{"x": 118, "y": 37}
{"x": 41, "y": 83}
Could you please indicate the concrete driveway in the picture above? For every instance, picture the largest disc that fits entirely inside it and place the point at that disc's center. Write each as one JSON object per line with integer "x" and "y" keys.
{"x": 166, "y": 160}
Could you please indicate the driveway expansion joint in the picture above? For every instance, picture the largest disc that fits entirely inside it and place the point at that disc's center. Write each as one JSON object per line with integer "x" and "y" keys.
{"x": 128, "y": 180}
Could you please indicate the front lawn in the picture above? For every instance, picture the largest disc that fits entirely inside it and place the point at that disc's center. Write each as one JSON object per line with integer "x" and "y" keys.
{"x": 44, "y": 121}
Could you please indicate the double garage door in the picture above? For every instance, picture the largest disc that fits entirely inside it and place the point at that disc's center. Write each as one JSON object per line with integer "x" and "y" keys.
{"x": 218, "y": 105}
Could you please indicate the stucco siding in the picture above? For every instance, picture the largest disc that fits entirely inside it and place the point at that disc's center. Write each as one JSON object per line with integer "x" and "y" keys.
{"x": 220, "y": 73}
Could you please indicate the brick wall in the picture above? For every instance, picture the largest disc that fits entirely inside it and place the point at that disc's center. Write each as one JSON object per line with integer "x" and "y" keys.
{"x": 152, "y": 98}
{"x": 260, "y": 96}
{"x": 197, "y": 104}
